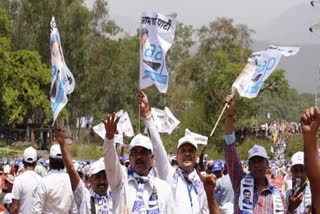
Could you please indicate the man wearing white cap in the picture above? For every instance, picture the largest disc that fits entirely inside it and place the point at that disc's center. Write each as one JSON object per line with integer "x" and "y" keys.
{"x": 54, "y": 193}
{"x": 298, "y": 198}
{"x": 98, "y": 198}
{"x": 7, "y": 200}
{"x": 188, "y": 190}
{"x": 25, "y": 183}
{"x": 264, "y": 197}
{"x": 135, "y": 189}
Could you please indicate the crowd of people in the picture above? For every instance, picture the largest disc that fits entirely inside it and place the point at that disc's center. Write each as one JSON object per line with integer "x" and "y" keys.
{"x": 152, "y": 180}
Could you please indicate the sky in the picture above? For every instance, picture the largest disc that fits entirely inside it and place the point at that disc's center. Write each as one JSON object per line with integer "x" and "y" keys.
{"x": 253, "y": 13}
{"x": 278, "y": 22}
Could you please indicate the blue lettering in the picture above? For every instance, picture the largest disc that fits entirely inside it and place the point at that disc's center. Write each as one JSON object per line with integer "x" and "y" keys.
{"x": 163, "y": 79}
{"x": 59, "y": 97}
{"x": 150, "y": 51}
{"x": 271, "y": 63}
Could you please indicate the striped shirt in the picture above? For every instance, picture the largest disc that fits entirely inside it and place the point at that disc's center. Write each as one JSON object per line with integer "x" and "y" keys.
{"x": 263, "y": 201}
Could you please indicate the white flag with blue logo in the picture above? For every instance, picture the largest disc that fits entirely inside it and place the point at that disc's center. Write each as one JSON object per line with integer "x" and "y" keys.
{"x": 260, "y": 66}
{"x": 156, "y": 37}
{"x": 62, "y": 80}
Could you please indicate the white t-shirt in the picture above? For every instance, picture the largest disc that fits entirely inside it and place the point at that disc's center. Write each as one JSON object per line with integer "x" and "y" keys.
{"x": 23, "y": 187}
{"x": 54, "y": 195}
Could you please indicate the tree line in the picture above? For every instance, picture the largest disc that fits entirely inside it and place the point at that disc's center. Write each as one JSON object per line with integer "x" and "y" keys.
{"x": 104, "y": 59}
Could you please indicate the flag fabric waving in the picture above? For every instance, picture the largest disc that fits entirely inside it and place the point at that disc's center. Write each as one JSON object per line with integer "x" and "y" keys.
{"x": 165, "y": 121}
{"x": 156, "y": 37}
{"x": 62, "y": 80}
{"x": 124, "y": 127}
{"x": 200, "y": 139}
{"x": 260, "y": 66}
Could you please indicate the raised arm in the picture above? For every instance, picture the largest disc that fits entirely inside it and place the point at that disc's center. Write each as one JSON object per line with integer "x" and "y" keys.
{"x": 310, "y": 122}
{"x": 111, "y": 160}
{"x": 209, "y": 184}
{"x": 67, "y": 159}
{"x": 161, "y": 158}
{"x": 232, "y": 159}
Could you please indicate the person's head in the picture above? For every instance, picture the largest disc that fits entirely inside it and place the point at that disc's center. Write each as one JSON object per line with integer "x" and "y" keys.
{"x": 297, "y": 166}
{"x": 141, "y": 154}
{"x": 8, "y": 182}
{"x": 258, "y": 162}
{"x": 30, "y": 158}
{"x": 187, "y": 153}
{"x": 246, "y": 194}
{"x": 217, "y": 168}
{"x": 55, "y": 158}
{"x": 7, "y": 200}
{"x": 80, "y": 172}
{"x": 144, "y": 33}
{"x": 98, "y": 178}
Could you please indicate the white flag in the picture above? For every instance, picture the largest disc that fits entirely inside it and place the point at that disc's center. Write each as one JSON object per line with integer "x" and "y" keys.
{"x": 165, "y": 121}
{"x": 260, "y": 66}
{"x": 62, "y": 80}
{"x": 200, "y": 139}
{"x": 124, "y": 127}
{"x": 156, "y": 37}
{"x": 124, "y": 124}
{"x": 101, "y": 131}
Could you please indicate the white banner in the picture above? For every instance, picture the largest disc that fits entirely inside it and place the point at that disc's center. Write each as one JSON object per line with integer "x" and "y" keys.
{"x": 124, "y": 127}
{"x": 260, "y": 66}
{"x": 200, "y": 139}
{"x": 62, "y": 80}
{"x": 165, "y": 121}
{"x": 124, "y": 124}
{"x": 101, "y": 131}
{"x": 156, "y": 37}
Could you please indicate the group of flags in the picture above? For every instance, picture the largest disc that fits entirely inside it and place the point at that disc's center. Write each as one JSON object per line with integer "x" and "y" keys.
{"x": 156, "y": 37}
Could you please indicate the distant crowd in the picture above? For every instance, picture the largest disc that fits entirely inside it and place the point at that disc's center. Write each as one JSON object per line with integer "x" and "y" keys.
{"x": 151, "y": 180}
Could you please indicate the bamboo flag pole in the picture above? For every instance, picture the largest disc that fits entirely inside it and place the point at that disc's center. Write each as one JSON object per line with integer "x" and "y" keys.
{"x": 215, "y": 126}
{"x": 139, "y": 115}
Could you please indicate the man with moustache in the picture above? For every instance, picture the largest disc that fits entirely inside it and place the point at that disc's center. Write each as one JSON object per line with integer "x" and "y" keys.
{"x": 188, "y": 190}
{"x": 135, "y": 189}
{"x": 266, "y": 198}
{"x": 98, "y": 198}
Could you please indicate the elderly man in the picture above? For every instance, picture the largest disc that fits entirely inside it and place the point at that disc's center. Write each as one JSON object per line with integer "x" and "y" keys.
{"x": 187, "y": 188}
{"x": 135, "y": 189}
{"x": 264, "y": 198}
{"x": 98, "y": 198}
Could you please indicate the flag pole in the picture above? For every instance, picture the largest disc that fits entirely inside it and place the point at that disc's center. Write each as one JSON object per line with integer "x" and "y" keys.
{"x": 215, "y": 126}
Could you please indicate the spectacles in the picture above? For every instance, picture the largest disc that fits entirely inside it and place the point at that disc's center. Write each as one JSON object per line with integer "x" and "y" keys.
{"x": 143, "y": 152}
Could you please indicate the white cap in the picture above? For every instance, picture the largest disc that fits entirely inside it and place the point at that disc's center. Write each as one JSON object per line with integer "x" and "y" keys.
{"x": 7, "y": 199}
{"x": 141, "y": 140}
{"x": 96, "y": 167}
{"x": 257, "y": 150}
{"x": 30, "y": 155}
{"x": 297, "y": 158}
{"x": 187, "y": 139}
{"x": 55, "y": 151}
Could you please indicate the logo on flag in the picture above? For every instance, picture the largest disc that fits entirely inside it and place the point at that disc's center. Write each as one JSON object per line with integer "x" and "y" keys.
{"x": 62, "y": 80}
{"x": 156, "y": 37}
{"x": 124, "y": 127}
{"x": 260, "y": 66}
{"x": 200, "y": 139}
{"x": 165, "y": 121}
